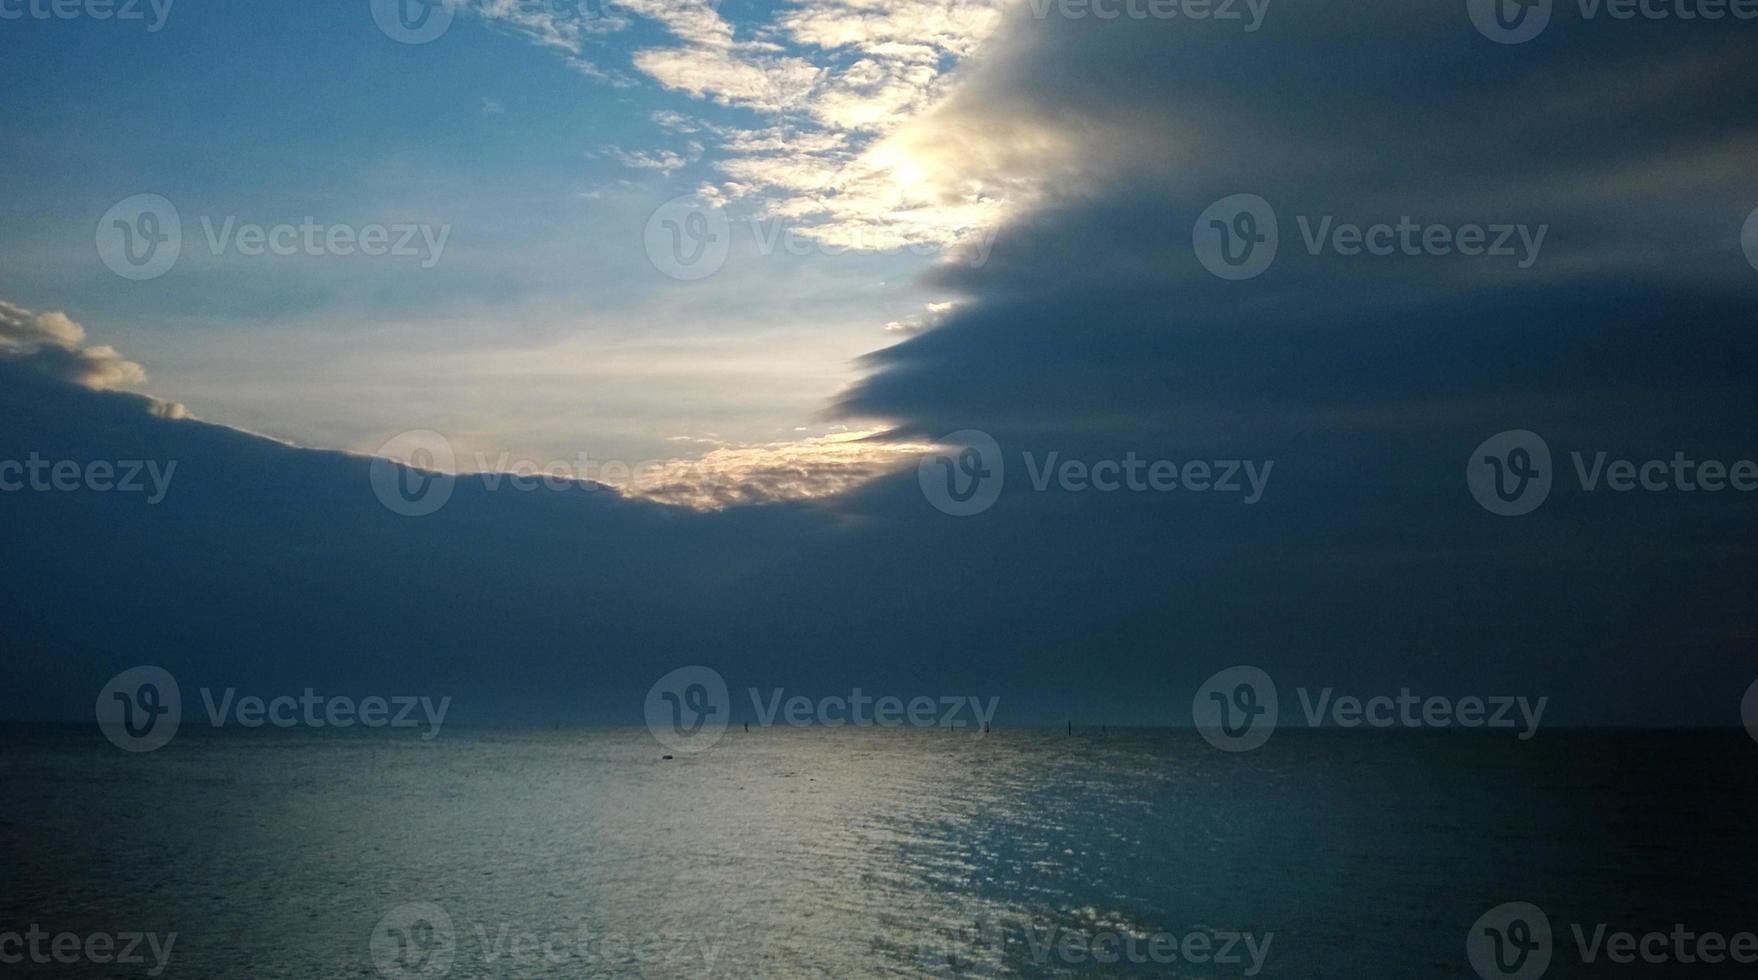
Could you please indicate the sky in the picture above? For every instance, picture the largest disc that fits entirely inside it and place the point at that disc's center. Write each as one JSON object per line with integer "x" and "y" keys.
{"x": 542, "y": 137}
{"x": 1375, "y": 260}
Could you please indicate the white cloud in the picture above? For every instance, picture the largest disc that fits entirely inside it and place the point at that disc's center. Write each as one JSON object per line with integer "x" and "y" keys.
{"x": 665, "y": 161}
{"x": 55, "y": 345}
{"x": 803, "y": 469}
{"x": 767, "y": 84}
{"x": 848, "y": 154}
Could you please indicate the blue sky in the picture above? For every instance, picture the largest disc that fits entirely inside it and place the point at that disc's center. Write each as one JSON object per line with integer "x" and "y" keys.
{"x": 543, "y": 330}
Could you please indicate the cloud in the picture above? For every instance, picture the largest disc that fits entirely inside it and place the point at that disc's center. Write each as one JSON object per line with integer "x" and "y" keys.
{"x": 1092, "y": 332}
{"x": 55, "y": 345}
{"x": 833, "y": 81}
{"x": 928, "y": 319}
{"x": 804, "y": 469}
{"x": 767, "y": 84}
{"x": 1093, "y": 313}
{"x": 664, "y": 162}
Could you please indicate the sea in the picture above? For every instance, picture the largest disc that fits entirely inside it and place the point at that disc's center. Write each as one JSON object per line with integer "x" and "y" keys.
{"x": 866, "y": 852}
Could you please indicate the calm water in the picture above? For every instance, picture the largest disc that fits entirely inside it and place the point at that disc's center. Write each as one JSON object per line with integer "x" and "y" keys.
{"x": 844, "y": 853}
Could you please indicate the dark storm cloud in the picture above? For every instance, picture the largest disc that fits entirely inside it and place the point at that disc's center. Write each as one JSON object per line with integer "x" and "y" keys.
{"x": 1631, "y": 143}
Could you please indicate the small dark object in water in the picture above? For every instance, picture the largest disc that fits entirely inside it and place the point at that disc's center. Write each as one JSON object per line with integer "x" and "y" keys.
{"x": 665, "y": 757}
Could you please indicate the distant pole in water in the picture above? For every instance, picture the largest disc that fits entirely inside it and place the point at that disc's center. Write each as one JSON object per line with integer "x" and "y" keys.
{"x": 1071, "y": 726}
